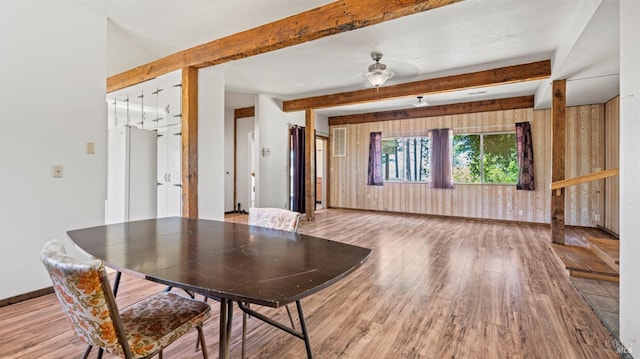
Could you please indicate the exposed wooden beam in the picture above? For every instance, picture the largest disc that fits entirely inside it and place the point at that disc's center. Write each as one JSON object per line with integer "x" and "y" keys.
{"x": 190, "y": 142}
{"x": 244, "y": 112}
{"x": 330, "y": 19}
{"x": 309, "y": 165}
{"x": 431, "y": 111}
{"x": 499, "y": 76}
{"x": 558, "y": 124}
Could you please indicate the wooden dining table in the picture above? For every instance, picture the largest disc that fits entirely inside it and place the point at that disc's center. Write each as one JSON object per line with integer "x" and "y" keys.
{"x": 226, "y": 261}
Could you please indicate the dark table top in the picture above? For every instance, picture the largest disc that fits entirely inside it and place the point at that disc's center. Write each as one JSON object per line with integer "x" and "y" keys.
{"x": 223, "y": 259}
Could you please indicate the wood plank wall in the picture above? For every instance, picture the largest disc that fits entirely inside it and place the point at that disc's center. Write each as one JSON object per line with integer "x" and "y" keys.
{"x": 612, "y": 155}
{"x": 585, "y": 150}
{"x": 584, "y": 153}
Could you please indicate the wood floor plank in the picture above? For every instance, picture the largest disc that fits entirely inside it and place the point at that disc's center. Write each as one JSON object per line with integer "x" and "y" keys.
{"x": 433, "y": 287}
{"x": 582, "y": 259}
{"x": 607, "y": 249}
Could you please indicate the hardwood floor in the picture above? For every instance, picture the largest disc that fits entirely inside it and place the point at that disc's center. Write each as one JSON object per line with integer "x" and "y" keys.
{"x": 432, "y": 288}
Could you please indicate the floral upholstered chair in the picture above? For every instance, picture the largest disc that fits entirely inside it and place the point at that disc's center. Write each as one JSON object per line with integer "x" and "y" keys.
{"x": 275, "y": 218}
{"x": 140, "y": 330}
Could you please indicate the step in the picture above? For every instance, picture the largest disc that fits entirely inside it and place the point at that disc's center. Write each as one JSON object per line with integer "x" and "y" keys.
{"x": 583, "y": 262}
{"x": 606, "y": 248}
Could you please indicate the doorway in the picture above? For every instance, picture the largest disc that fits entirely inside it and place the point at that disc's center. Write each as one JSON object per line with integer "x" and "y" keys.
{"x": 321, "y": 172}
{"x": 252, "y": 170}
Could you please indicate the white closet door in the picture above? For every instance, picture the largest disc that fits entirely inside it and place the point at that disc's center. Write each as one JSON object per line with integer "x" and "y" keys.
{"x": 174, "y": 169}
{"x": 174, "y": 104}
{"x": 131, "y": 185}
{"x": 162, "y": 172}
{"x": 121, "y": 110}
{"x": 158, "y": 100}
{"x": 117, "y": 175}
{"x": 142, "y": 167}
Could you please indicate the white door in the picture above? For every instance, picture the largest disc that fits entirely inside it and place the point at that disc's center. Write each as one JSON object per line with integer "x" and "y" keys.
{"x": 142, "y": 166}
{"x": 169, "y": 171}
{"x": 131, "y": 180}
{"x": 174, "y": 170}
{"x": 163, "y": 180}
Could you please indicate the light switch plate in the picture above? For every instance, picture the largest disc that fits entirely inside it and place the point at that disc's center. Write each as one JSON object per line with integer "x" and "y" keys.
{"x": 91, "y": 148}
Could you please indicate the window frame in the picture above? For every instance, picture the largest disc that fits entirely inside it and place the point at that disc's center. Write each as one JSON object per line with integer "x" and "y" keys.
{"x": 482, "y": 134}
{"x": 403, "y": 180}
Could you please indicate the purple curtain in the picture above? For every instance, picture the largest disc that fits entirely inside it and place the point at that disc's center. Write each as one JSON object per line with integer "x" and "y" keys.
{"x": 375, "y": 159}
{"x": 441, "y": 176}
{"x": 525, "y": 157}
{"x": 296, "y": 138}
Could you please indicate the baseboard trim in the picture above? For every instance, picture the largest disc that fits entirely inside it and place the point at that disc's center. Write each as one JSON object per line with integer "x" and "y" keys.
{"x": 25, "y": 296}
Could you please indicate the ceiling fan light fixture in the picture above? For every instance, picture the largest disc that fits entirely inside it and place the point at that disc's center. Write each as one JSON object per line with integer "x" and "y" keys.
{"x": 378, "y": 72}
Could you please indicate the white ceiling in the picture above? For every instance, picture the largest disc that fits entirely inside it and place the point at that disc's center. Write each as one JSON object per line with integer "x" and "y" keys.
{"x": 580, "y": 36}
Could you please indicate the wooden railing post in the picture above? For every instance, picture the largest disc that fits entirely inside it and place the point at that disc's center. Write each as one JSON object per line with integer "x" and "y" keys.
{"x": 558, "y": 120}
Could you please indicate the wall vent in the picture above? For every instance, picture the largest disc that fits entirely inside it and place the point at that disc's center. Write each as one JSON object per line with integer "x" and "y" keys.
{"x": 339, "y": 142}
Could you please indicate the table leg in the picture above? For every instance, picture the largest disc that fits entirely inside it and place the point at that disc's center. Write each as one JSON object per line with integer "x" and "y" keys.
{"x": 226, "y": 321}
{"x": 305, "y": 333}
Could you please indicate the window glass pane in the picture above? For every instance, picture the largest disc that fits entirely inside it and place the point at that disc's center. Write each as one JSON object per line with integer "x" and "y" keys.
{"x": 392, "y": 159}
{"x": 500, "y": 158}
{"x": 424, "y": 148}
{"x": 466, "y": 159}
{"x": 406, "y": 159}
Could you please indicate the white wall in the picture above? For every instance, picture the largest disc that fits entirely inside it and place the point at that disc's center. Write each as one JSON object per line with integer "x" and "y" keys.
{"x": 52, "y": 70}
{"x": 272, "y": 132}
{"x": 629, "y": 175}
{"x": 211, "y": 127}
{"x": 126, "y": 51}
{"x": 322, "y": 125}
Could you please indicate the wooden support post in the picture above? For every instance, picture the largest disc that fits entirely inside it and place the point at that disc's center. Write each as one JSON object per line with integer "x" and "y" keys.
{"x": 190, "y": 142}
{"x": 309, "y": 168}
{"x": 558, "y": 120}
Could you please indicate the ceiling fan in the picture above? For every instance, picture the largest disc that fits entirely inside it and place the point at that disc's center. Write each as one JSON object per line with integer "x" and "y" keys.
{"x": 378, "y": 72}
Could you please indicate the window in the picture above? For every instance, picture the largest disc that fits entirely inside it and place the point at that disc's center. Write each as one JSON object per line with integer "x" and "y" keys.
{"x": 485, "y": 158}
{"x": 406, "y": 159}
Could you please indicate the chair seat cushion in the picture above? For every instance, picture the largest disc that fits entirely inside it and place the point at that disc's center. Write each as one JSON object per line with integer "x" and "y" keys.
{"x": 157, "y": 321}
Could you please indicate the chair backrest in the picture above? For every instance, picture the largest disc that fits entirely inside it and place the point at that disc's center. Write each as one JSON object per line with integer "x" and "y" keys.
{"x": 84, "y": 292}
{"x": 276, "y": 218}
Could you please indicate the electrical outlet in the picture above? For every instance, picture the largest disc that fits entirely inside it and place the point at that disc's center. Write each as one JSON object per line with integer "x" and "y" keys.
{"x": 596, "y": 218}
{"x": 520, "y": 212}
{"x": 58, "y": 171}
